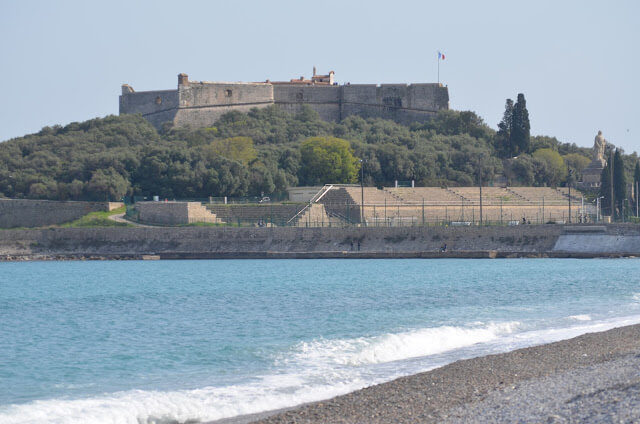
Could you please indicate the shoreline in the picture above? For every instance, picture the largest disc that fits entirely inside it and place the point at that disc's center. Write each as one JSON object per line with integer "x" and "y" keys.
{"x": 592, "y": 374}
{"x": 460, "y": 254}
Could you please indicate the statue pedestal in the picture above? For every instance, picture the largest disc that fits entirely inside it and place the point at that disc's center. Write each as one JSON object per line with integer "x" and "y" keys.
{"x": 591, "y": 176}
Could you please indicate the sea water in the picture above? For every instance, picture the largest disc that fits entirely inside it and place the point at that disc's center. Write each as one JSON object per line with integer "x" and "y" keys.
{"x": 174, "y": 341}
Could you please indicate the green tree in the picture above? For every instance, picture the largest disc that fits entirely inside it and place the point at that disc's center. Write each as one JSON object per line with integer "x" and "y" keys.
{"x": 605, "y": 187}
{"x": 261, "y": 180}
{"x": 520, "y": 127}
{"x": 577, "y": 162}
{"x": 636, "y": 185}
{"x": 395, "y": 163}
{"x": 503, "y": 136}
{"x": 521, "y": 170}
{"x": 619, "y": 184}
{"x": 453, "y": 122}
{"x": 327, "y": 160}
{"x": 556, "y": 170}
{"x": 43, "y": 190}
{"x": 235, "y": 148}
{"x": 107, "y": 184}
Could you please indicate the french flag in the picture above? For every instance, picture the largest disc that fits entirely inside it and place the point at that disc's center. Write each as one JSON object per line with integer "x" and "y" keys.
{"x": 440, "y": 56}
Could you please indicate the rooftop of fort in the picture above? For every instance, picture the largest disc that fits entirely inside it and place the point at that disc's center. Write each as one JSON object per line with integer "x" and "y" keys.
{"x": 316, "y": 80}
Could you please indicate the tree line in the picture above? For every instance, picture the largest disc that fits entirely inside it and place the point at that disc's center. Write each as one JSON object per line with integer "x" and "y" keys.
{"x": 267, "y": 150}
{"x": 617, "y": 198}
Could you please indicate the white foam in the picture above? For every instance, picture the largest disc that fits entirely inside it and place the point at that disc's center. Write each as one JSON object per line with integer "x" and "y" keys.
{"x": 312, "y": 371}
{"x": 150, "y": 407}
{"x": 548, "y": 335}
{"x": 395, "y": 347}
{"x": 583, "y": 317}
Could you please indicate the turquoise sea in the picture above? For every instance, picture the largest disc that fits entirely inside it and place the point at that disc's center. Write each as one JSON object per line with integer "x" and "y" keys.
{"x": 173, "y": 341}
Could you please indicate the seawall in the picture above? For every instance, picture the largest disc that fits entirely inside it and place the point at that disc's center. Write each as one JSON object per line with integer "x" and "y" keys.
{"x": 407, "y": 242}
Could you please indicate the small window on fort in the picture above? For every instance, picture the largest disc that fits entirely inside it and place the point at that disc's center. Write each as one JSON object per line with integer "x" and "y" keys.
{"x": 298, "y": 96}
{"x": 228, "y": 93}
{"x": 158, "y": 100}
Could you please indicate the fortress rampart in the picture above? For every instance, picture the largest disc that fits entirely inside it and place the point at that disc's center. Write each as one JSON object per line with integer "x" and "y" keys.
{"x": 200, "y": 104}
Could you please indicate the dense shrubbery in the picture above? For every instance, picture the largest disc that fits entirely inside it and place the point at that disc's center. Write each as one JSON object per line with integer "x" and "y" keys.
{"x": 266, "y": 151}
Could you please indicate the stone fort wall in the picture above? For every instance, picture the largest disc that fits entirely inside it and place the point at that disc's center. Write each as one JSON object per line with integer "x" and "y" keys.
{"x": 200, "y": 104}
{"x": 156, "y": 106}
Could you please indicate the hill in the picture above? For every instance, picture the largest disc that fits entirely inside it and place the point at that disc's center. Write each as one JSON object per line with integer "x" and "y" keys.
{"x": 265, "y": 151}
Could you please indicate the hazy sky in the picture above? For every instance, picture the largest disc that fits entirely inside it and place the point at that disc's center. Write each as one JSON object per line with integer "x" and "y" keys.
{"x": 577, "y": 62}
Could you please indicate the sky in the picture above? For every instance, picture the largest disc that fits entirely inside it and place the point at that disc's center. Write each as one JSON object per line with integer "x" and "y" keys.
{"x": 577, "y": 62}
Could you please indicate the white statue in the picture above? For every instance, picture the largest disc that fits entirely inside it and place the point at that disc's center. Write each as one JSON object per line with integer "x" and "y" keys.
{"x": 599, "y": 145}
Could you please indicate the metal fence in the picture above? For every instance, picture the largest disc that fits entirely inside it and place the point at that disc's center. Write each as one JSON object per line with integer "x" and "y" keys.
{"x": 461, "y": 214}
{"x": 468, "y": 213}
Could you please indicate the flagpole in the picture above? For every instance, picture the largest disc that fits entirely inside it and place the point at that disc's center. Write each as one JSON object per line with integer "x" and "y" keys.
{"x": 438, "y": 68}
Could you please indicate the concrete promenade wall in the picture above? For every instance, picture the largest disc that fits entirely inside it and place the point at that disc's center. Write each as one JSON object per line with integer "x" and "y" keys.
{"x": 236, "y": 242}
{"x": 222, "y": 242}
{"x": 596, "y": 240}
{"x": 39, "y": 213}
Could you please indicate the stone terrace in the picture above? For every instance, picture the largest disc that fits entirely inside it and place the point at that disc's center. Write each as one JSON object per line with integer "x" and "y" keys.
{"x": 431, "y": 195}
{"x": 414, "y": 206}
{"x": 404, "y": 206}
{"x": 546, "y": 194}
{"x": 279, "y": 214}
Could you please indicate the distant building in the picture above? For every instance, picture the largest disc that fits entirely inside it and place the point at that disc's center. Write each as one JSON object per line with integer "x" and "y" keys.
{"x": 201, "y": 103}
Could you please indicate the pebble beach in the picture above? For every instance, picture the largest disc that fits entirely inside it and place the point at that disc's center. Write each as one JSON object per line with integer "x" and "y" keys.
{"x": 591, "y": 378}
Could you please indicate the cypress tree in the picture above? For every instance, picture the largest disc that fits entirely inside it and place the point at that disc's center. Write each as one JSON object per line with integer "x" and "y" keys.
{"x": 503, "y": 136}
{"x": 605, "y": 189}
{"x": 636, "y": 185}
{"x": 520, "y": 128}
{"x": 619, "y": 183}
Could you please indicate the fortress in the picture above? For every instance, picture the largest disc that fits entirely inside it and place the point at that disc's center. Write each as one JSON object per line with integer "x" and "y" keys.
{"x": 200, "y": 103}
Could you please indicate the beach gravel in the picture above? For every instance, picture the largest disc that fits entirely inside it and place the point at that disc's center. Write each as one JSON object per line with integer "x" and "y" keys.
{"x": 593, "y": 378}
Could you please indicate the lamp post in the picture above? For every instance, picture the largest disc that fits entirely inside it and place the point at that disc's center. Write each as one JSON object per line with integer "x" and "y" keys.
{"x": 569, "y": 174}
{"x": 480, "y": 162}
{"x": 598, "y": 210}
{"x": 611, "y": 184}
{"x": 362, "y": 191}
{"x": 480, "y": 184}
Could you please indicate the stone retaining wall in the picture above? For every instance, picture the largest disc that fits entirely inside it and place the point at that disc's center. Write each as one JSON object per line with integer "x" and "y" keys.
{"x": 173, "y": 213}
{"x": 40, "y": 213}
